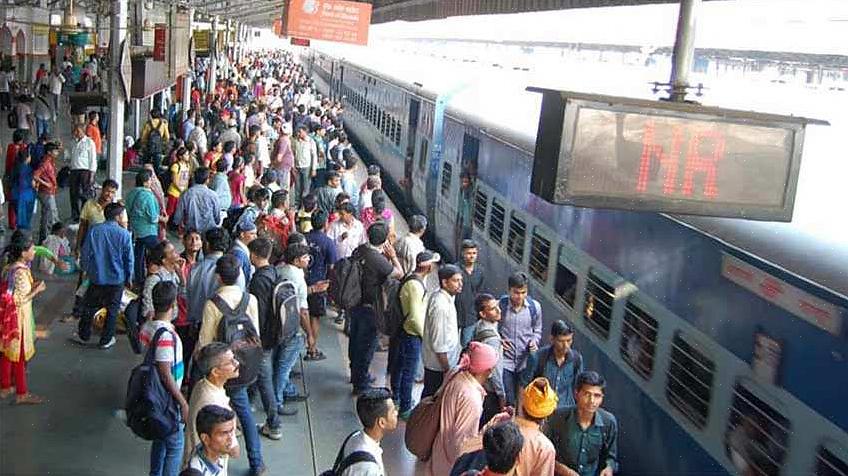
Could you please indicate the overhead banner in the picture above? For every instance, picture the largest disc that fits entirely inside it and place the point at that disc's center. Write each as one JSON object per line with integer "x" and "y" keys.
{"x": 329, "y": 20}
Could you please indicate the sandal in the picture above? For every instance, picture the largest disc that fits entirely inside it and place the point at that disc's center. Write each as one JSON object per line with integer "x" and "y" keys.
{"x": 28, "y": 399}
{"x": 314, "y": 356}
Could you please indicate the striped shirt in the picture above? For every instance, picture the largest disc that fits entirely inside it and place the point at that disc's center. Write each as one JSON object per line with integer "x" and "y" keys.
{"x": 169, "y": 348}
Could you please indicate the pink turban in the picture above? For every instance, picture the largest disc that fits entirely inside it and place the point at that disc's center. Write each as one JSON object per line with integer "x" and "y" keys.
{"x": 478, "y": 358}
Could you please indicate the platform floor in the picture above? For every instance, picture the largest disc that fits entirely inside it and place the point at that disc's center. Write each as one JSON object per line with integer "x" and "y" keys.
{"x": 80, "y": 430}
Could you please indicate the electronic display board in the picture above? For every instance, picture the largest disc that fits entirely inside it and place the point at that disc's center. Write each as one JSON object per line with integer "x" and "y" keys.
{"x": 610, "y": 152}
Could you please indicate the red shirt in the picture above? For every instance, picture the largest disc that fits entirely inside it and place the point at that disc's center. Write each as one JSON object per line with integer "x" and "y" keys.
{"x": 46, "y": 172}
{"x": 94, "y": 132}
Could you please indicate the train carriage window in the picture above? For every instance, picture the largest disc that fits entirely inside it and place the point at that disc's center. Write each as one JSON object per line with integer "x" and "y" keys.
{"x": 384, "y": 123}
{"x": 447, "y": 170}
{"x": 422, "y": 154}
{"x": 516, "y": 237}
{"x": 757, "y": 434}
{"x": 565, "y": 283}
{"x": 690, "y": 381}
{"x": 481, "y": 203}
{"x": 639, "y": 339}
{"x": 540, "y": 254}
{"x": 496, "y": 222}
{"x": 599, "y": 299}
{"x": 829, "y": 464}
{"x": 398, "y": 133}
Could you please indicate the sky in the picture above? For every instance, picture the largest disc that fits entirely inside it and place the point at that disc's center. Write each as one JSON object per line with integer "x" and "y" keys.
{"x": 805, "y": 26}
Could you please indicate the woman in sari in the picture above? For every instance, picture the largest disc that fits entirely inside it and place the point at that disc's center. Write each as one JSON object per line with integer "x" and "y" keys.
{"x": 18, "y": 328}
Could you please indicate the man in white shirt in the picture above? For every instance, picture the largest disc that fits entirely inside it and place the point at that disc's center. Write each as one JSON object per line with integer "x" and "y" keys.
{"x": 410, "y": 245}
{"x": 218, "y": 364}
{"x": 379, "y": 416}
{"x": 347, "y": 232}
{"x": 56, "y": 82}
{"x": 441, "y": 335}
{"x": 83, "y": 170}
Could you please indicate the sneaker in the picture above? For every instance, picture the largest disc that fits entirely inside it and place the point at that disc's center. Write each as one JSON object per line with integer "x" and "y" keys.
{"x": 286, "y": 411}
{"x": 298, "y": 397}
{"x": 271, "y": 433}
{"x": 108, "y": 344}
{"x": 78, "y": 340}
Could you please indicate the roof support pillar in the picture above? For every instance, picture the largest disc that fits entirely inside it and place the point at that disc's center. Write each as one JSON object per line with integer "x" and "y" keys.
{"x": 213, "y": 57}
{"x": 684, "y": 49}
{"x": 117, "y": 99}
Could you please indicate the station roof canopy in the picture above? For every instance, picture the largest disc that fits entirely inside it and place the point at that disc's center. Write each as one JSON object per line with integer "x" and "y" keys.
{"x": 262, "y": 13}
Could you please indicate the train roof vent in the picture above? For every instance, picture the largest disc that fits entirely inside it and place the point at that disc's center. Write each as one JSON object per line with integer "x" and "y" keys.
{"x": 690, "y": 380}
{"x": 481, "y": 203}
{"x": 598, "y": 303}
{"x": 757, "y": 434}
{"x": 828, "y": 463}
{"x": 639, "y": 339}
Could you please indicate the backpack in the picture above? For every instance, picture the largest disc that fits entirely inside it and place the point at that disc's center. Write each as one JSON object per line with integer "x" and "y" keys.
{"x": 390, "y": 318}
{"x": 286, "y": 312}
{"x": 232, "y": 219}
{"x": 423, "y": 426}
{"x": 342, "y": 464}
{"x": 346, "y": 281}
{"x": 133, "y": 320}
{"x": 152, "y": 413}
{"x": 236, "y": 330}
{"x": 155, "y": 141}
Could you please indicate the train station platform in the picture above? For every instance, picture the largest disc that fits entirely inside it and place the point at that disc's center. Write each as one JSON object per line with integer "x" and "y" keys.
{"x": 80, "y": 429}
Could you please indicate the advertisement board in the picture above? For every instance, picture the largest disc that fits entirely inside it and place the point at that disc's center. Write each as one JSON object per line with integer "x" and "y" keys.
{"x": 329, "y": 20}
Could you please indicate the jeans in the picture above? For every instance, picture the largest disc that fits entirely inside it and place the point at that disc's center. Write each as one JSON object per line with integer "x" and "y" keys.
{"x": 301, "y": 185}
{"x": 25, "y": 206}
{"x": 166, "y": 455}
{"x": 432, "y": 382}
{"x": 266, "y": 389}
{"x": 141, "y": 246}
{"x": 284, "y": 357}
{"x": 510, "y": 381}
{"x": 42, "y": 126}
{"x": 403, "y": 371}
{"x": 466, "y": 335}
{"x": 49, "y": 214}
{"x": 241, "y": 405}
{"x": 363, "y": 343}
{"x": 96, "y": 297}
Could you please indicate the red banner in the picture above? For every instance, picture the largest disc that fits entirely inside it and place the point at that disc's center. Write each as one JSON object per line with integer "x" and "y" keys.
{"x": 329, "y": 20}
{"x": 160, "y": 35}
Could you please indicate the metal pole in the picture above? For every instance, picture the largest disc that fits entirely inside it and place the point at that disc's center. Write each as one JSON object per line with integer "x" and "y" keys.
{"x": 684, "y": 49}
{"x": 117, "y": 101}
{"x": 187, "y": 78}
{"x": 213, "y": 57}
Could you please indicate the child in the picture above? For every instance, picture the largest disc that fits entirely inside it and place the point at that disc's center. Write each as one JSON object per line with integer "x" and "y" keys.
{"x": 58, "y": 244}
{"x": 166, "y": 454}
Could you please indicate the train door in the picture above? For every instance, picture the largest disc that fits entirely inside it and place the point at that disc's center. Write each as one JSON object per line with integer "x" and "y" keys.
{"x": 468, "y": 178}
{"x": 411, "y": 134}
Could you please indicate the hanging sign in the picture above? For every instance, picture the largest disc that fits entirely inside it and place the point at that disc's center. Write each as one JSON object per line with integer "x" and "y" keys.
{"x": 159, "y": 42}
{"x": 329, "y": 20}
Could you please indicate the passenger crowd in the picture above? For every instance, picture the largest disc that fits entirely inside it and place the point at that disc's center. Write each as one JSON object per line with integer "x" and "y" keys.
{"x": 257, "y": 183}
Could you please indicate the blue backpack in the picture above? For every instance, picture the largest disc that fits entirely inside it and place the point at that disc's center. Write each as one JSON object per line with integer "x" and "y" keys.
{"x": 152, "y": 412}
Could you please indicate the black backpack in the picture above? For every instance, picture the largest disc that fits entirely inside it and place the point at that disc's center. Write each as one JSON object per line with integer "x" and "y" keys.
{"x": 286, "y": 311}
{"x": 155, "y": 141}
{"x": 236, "y": 330}
{"x": 391, "y": 317}
{"x": 343, "y": 463}
{"x": 347, "y": 281}
{"x": 152, "y": 412}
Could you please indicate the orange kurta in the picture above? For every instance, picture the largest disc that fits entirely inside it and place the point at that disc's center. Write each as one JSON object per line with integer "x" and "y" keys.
{"x": 26, "y": 323}
{"x": 462, "y": 406}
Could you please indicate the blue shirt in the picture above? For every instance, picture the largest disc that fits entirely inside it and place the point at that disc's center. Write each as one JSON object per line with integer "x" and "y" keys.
{"x": 239, "y": 250}
{"x": 586, "y": 451}
{"x": 221, "y": 186}
{"x": 322, "y": 249}
{"x": 107, "y": 254}
{"x": 202, "y": 284}
{"x": 198, "y": 209}
{"x": 543, "y": 364}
